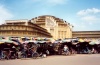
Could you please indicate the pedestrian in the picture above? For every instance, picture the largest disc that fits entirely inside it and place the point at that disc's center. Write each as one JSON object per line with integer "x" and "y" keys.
{"x": 1, "y": 54}
{"x": 65, "y": 48}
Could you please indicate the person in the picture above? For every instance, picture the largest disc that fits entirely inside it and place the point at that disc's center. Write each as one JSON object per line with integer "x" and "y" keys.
{"x": 18, "y": 54}
{"x": 13, "y": 52}
{"x": 1, "y": 54}
{"x": 47, "y": 52}
{"x": 24, "y": 50}
{"x": 65, "y": 48}
{"x": 92, "y": 50}
{"x": 34, "y": 52}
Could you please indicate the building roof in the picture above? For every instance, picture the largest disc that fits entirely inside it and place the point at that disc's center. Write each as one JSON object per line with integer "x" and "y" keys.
{"x": 16, "y": 21}
{"x": 43, "y": 17}
{"x": 87, "y": 31}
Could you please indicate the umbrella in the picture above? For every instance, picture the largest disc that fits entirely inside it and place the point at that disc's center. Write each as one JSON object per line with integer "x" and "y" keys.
{"x": 94, "y": 42}
{"x": 56, "y": 41}
{"x": 22, "y": 37}
{"x": 41, "y": 41}
{"x": 8, "y": 41}
{"x": 1, "y": 42}
{"x": 31, "y": 41}
{"x": 38, "y": 38}
{"x": 80, "y": 40}
{"x": 16, "y": 43}
{"x": 66, "y": 40}
{"x": 74, "y": 43}
{"x": 52, "y": 40}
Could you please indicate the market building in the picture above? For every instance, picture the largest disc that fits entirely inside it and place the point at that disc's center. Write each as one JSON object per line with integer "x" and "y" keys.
{"x": 58, "y": 28}
{"x": 22, "y": 28}
{"x": 86, "y": 34}
{"x": 44, "y": 26}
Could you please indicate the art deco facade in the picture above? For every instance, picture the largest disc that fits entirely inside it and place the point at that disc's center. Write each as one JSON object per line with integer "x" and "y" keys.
{"x": 58, "y": 28}
{"x": 44, "y": 26}
{"x": 22, "y": 28}
{"x": 86, "y": 34}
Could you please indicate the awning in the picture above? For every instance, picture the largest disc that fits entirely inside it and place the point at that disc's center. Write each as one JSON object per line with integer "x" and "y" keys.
{"x": 80, "y": 40}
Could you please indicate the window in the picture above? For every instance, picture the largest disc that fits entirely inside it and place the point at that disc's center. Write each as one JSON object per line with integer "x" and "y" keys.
{"x": 2, "y": 28}
{"x": 51, "y": 31}
{"x": 19, "y": 32}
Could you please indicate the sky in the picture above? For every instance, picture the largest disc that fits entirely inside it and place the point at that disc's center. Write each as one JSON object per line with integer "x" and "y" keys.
{"x": 84, "y": 15}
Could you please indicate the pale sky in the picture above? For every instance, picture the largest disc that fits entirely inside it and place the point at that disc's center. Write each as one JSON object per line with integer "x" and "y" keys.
{"x": 84, "y": 15}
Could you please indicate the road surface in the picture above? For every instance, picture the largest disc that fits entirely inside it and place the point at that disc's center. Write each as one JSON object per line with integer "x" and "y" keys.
{"x": 82, "y": 59}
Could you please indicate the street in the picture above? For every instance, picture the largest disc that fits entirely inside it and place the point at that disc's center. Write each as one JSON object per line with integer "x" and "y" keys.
{"x": 79, "y": 59}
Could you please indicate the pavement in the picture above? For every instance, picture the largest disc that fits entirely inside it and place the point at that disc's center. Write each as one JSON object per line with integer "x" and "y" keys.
{"x": 79, "y": 59}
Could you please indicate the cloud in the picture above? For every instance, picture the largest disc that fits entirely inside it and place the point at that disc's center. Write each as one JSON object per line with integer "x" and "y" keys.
{"x": 90, "y": 18}
{"x": 88, "y": 11}
{"x": 89, "y": 15}
{"x": 87, "y": 19}
{"x": 4, "y": 14}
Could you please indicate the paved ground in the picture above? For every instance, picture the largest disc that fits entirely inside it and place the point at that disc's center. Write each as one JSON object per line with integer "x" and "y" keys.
{"x": 57, "y": 60}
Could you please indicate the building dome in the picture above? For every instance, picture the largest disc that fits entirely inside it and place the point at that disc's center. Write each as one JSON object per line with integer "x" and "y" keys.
{"x": 43, "y": 17}
{"x": 54, "y": 25}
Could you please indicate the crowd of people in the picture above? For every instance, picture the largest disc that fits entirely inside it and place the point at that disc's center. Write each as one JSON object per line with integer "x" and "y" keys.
{"x": 16, "y": 49}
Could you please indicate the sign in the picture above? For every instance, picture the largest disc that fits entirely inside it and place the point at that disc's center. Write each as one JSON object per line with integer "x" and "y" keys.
{"x": 50, "y": 22}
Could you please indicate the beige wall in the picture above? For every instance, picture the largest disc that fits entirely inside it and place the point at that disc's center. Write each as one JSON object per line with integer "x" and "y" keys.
{"x": 64, "y": 31}
{"x": 55, "y": 26}
{"x": 86, "y": 34}
{"x": 22, "y": 30}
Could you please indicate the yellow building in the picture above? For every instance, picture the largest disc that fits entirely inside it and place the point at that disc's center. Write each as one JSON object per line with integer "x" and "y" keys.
{"x": 44, "y": 26}
{"x": 86, "y": 34}
{"x": 22, "y": 28}
{"x": 58, "y": 28}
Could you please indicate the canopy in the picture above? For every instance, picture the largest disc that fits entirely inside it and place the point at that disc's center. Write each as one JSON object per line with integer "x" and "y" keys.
{"x": 31, "y": 41}
{"x": 1, "y": 42}
{"x": 56, "y": 42}
{"x": 75, "y": 43}
{"x": 94, "y": 42}
{"x": 80, "y": 40}
{"x": 22, "y": 37}
{"x": 41, "y": 41}
{"x": 8, "y": 41}
{"x": 66, "y": 40}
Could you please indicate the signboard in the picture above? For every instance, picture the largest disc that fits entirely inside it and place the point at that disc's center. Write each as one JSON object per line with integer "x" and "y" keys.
{"x": 50, "y": 23}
